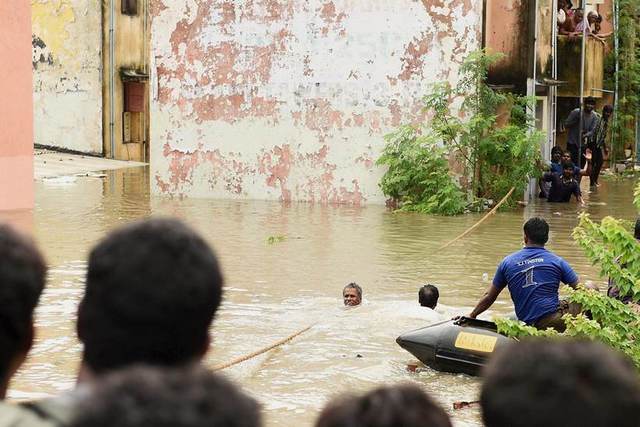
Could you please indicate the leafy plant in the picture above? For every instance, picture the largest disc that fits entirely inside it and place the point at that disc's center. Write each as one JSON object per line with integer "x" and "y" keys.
{"x": 494, "y": 157}
{"x": 628, "y": 75}
{"x": 611, "y": 245}
{"x": 418, "y": 174}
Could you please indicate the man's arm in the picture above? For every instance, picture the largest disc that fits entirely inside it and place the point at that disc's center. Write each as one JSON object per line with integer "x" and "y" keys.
{"x": 486, "y": 301}
{"x": 573, "y": 119}
{"x": 588, "y": 133}
{"x": 586, "y": 171}
{"x": 578, "y": 195}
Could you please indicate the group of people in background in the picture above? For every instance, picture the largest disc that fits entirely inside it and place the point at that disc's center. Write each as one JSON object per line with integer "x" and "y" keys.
{"x": 571, "y": 22}
{"x": 584, "y": 156}
{"x": 144, "y": 321}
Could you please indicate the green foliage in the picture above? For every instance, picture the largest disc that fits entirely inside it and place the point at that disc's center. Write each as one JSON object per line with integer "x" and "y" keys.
{"x": 418, "y": 174}
{"x": 279, "y": 238}
{"x": 494, "y": 157}
{"x": 610, "y": 245}
{"x": 628, "y": 57}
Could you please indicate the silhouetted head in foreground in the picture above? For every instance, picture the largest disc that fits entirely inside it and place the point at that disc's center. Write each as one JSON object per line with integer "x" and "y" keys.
{"x": 153, "y": 288}
{"x": 145, "y": 397}
{"x": 392, "y": 406}
{"x": 22, "y": 278}
{"x": 428, "y": 296}
{"x": 352, "y": 294}
{"x": 555, "y": 383}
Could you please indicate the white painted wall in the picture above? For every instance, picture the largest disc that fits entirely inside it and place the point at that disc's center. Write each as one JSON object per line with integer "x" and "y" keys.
{"x": 290, "y": 100}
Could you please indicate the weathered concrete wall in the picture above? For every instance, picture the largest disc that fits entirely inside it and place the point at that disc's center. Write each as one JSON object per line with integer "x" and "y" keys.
{"x": 290, "y": 99}
{"x": 16, "y": 108}
{"x": 67, "y": 90}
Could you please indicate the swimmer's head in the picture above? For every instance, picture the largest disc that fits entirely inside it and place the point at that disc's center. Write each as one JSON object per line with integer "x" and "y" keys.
{"x": 352, "y": 294}
{"x": 428, "y": 296}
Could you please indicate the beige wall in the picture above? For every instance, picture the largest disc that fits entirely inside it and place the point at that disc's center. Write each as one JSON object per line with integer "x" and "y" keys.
{"x": 66, "y": 59}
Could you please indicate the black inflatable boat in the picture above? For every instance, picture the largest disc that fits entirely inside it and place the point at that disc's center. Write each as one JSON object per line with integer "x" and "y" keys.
{"x": 458, "y": 346}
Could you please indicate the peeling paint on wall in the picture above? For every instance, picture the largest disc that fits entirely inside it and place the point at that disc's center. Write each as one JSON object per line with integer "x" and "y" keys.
{"x": 66, "y": 41}
{"x": 289, "y": 100}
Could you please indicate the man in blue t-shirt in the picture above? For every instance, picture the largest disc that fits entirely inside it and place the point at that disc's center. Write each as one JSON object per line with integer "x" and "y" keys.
{"x": 533, "y": 276}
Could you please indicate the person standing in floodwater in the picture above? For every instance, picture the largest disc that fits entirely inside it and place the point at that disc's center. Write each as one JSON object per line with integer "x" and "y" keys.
{"x": 352, "y": 295}
{"x": 589, "y": 122}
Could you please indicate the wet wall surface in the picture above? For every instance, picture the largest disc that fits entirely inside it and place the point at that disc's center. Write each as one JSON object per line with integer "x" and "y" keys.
{"x": 274, "y": 290}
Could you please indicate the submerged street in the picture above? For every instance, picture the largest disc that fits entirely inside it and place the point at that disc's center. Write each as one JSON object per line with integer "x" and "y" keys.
{"x": 273, "y": 290}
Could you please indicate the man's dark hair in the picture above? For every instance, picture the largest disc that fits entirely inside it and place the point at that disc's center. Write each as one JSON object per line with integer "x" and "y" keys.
{"x": 355, "y": 286}
{"x": 145, "y": 397}
{"x": 152, "y": 290}
{"x": 556, "y": 149}
{"x": 428, "y": 296}
{"x": 559, "y": 384}
{"x": 537, "y": 231}
{"x": 391, "y": 406}
{"x": 607, "y": 108}
{"x": 22, "y": 277}
{"x": 636, "y": 230}
{"x": 589, "y": 100}
{"x": 568, "y": 165}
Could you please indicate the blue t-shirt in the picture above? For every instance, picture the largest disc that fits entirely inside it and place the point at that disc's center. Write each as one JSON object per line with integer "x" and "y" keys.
{"x": 533, "y": 276}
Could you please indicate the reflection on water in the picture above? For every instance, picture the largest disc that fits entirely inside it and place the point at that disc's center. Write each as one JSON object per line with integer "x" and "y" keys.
{"x": 275, "y": 290}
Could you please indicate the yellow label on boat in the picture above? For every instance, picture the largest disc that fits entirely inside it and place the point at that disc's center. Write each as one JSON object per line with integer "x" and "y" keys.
{"x": 476, "y": 342}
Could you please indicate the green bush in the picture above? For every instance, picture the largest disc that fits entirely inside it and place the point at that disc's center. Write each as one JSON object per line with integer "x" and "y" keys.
{"x": 493, "y": 158}
{"x": 418, "y": 174}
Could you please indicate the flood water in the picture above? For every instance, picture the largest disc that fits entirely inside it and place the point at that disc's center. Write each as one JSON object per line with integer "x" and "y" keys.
{"x": 274, "y": 290}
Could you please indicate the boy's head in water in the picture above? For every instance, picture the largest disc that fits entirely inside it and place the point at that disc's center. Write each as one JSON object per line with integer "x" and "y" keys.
{"x": 352, "y": 294}
{"x": 428, "y": 296}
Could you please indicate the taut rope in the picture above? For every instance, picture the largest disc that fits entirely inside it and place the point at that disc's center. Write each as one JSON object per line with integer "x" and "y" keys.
{"x": 473, "y": 227}
{"x": 261, "y": 351}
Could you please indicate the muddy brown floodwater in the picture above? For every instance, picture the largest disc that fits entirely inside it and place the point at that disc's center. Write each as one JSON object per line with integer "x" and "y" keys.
{"x": 273, "y": 290}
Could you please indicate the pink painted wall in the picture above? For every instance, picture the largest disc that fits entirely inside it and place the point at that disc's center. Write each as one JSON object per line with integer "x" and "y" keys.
{"x": 16, "y": 106}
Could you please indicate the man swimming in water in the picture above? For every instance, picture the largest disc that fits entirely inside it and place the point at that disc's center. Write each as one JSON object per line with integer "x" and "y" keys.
{"x": 428, "y": 296}
{"x": 352, "y": 294}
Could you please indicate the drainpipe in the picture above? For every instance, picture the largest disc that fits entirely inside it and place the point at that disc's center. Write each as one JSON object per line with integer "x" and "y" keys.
{"x": 112, "y": 113}
{"x": 585, "y": 22}
{"x": 616, "y": 47}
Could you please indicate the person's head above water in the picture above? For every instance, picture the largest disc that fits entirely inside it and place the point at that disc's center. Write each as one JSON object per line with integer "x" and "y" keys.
{"x": 428, "y": 296}
{"x": 568, "y": 169}
{"x": 153, "y": 288}
{"x": 352, "y": 294}
{"x": 536, "y": 232}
